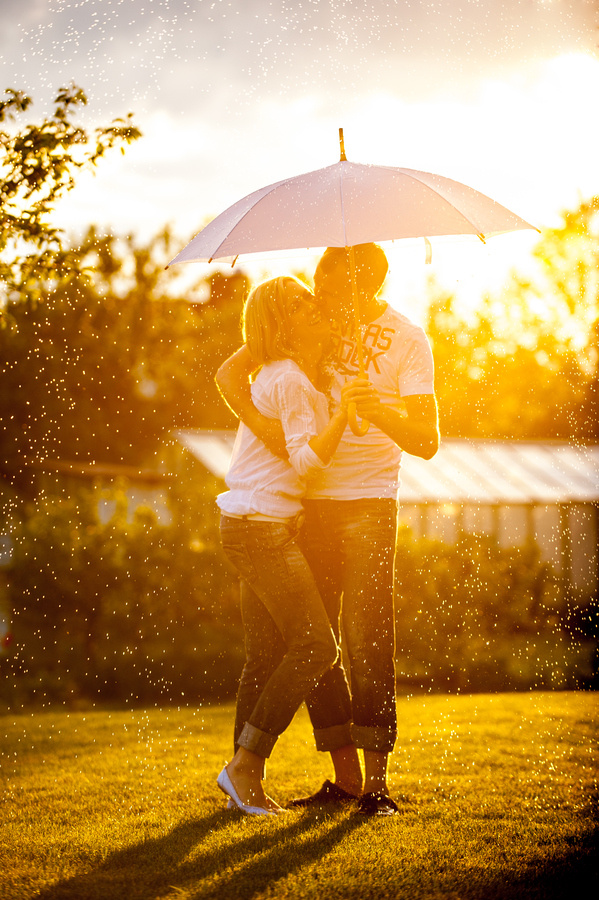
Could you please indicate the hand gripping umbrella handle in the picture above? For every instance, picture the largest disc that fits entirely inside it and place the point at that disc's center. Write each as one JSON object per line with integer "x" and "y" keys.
{"x": 358, "y": 428}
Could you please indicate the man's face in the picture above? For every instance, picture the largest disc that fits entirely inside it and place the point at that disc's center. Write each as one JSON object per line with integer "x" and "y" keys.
{"x": 333, "y": 292}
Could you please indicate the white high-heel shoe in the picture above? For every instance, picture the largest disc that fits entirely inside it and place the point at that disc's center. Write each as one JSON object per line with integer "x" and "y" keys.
{"x": 226, "y": 786}
{"x": 276, "y": 812}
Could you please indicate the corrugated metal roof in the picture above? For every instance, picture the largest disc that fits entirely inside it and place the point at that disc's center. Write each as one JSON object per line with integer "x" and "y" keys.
{"x": 212, "y": 448}
{"x": 503, "y": 472}
{"x": 464, "y": 471}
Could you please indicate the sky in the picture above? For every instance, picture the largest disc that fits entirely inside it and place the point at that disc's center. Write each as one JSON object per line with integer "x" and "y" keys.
{"x": 232, "y": 95}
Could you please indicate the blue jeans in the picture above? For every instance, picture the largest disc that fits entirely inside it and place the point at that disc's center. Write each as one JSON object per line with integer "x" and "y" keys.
{"x": 350, "y": 546}
{"x": 289, "y": 641}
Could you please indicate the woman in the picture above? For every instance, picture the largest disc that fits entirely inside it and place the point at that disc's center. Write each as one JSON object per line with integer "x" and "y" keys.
{"x": 289, "y": 640}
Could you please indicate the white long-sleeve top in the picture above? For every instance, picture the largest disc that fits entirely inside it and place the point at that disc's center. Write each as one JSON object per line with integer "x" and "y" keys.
{"x": 259, "y": 481}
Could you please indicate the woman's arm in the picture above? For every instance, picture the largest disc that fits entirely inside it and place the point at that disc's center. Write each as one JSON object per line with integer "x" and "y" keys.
{"x": 325, "y": 443}
{"x": 302, "y": 451}
{"x": 233, "y": 382}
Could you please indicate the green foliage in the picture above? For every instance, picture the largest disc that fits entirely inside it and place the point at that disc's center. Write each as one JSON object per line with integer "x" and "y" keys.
{"x": 130, "y": 609}
{"x": 38, "y": 164}
{"x": 477, "y": 617}
{"x": 125, "y": 608}
{"x": 506, "y": 374}
{"x": 115, "y": 357}
{"x": 526, "y": 364}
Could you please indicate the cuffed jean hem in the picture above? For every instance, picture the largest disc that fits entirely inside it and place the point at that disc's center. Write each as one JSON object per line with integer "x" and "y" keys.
{"x": 380, "y": 740}
{"x": 259, "y": 742}
{"x": 333, "y": 738}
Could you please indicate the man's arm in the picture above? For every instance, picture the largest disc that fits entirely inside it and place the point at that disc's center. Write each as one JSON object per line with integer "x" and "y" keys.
{"x": 417, "y": 433}
{"x": 233, "y": 382}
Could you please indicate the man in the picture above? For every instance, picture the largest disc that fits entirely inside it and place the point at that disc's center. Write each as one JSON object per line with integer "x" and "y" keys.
{"x": 350, "y": 528}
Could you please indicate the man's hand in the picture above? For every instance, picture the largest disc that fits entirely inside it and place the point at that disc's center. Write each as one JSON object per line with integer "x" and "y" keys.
{"x": 416, "y": 433}
{"x": 353, "y": 391}
{"x": 364, "y": 395}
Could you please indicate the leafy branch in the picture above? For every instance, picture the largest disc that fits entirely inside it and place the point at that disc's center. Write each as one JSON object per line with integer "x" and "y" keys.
{"x": 38, "y": 165}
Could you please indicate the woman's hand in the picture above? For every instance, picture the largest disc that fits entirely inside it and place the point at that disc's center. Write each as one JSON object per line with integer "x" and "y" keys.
{"x": 364, "y": 395}
{"x": 358, "y": 394}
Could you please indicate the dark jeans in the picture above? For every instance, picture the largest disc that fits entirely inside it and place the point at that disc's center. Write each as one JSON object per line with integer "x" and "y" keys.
{"x": 289, "y": 641}
{"x": 350, "y": 546}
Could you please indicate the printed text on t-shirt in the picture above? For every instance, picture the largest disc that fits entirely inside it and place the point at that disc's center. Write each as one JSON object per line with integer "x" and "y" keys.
{"x": 376, "y": 340}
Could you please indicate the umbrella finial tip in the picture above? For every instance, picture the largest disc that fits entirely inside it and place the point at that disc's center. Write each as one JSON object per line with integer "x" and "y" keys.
{"x": 341, "y": 146}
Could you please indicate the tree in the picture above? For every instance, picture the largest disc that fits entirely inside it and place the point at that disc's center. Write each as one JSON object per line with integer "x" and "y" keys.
{"x": 569, "y": 259}
{"x": 38, "y": 165}
{"x": 114, "y": 355}
{"x": 525, "y": 365}
{"x": 118, "y": 355}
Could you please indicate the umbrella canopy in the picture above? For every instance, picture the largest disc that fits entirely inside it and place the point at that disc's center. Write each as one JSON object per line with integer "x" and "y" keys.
{"x": 346, "y": 204}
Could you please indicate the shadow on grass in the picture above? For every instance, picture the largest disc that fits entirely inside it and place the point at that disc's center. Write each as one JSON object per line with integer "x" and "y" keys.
{"x": 225, "y": 856}
{"x": 569, "y": 875}
{"x": 248, "y": 857}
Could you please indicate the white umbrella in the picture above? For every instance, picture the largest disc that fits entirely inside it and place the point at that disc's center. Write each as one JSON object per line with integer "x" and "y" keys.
{"x": 347, "y": 204}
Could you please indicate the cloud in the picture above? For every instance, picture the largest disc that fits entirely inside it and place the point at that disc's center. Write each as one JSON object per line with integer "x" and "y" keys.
{"x": 528, "y": 142}
{"x": 233, "y": 94}
{"x": 175, "y": 53}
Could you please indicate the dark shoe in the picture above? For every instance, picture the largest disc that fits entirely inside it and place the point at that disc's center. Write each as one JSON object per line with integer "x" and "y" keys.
{"x": 329, "y": 793}
{"x": 376, "y": 804}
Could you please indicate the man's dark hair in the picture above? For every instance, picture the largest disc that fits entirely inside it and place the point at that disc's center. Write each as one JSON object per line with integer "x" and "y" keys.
{"x": 371, "y": 265}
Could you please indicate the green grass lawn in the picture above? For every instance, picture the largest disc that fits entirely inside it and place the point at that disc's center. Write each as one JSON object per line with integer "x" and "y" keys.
{"x": 498, "y": 798}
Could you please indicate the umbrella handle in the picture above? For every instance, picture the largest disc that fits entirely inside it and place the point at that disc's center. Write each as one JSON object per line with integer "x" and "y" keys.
{"x": 358, "y": 428}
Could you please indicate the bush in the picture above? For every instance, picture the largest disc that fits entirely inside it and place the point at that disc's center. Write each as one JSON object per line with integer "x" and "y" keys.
{"x": 126, "y": 609}
{"x": 131, "y": 610}
{"x": 477, "y": 617}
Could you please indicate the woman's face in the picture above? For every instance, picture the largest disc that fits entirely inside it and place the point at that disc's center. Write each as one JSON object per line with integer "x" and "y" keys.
{"x": 307, "y": 325}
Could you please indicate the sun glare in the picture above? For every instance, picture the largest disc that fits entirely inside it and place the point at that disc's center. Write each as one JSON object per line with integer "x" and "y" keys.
{"x": 511, "y": 139}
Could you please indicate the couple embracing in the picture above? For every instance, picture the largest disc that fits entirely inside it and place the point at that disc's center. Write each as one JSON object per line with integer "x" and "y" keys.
{"x": 309, "y": 521}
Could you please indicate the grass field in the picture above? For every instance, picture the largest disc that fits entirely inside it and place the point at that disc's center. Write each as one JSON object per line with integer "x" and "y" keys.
{"x": 498, "y": 798}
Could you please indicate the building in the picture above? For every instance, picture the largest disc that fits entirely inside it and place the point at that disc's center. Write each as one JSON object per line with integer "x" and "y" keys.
{"x": 512, "y": 491}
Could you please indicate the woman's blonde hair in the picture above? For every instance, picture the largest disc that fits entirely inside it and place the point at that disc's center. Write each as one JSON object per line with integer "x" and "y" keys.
{"x": 265, "y": 324}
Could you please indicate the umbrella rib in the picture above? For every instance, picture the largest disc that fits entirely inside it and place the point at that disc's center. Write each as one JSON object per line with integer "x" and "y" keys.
{"x": 479, "y": 234}
{"x": 241, "y": 218}
{"x": 267, "y": 191}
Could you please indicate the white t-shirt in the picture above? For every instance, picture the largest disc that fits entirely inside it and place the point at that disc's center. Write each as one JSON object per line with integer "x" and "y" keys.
{"x": 259, "y": 481}
{"x": 399, "y": 363}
